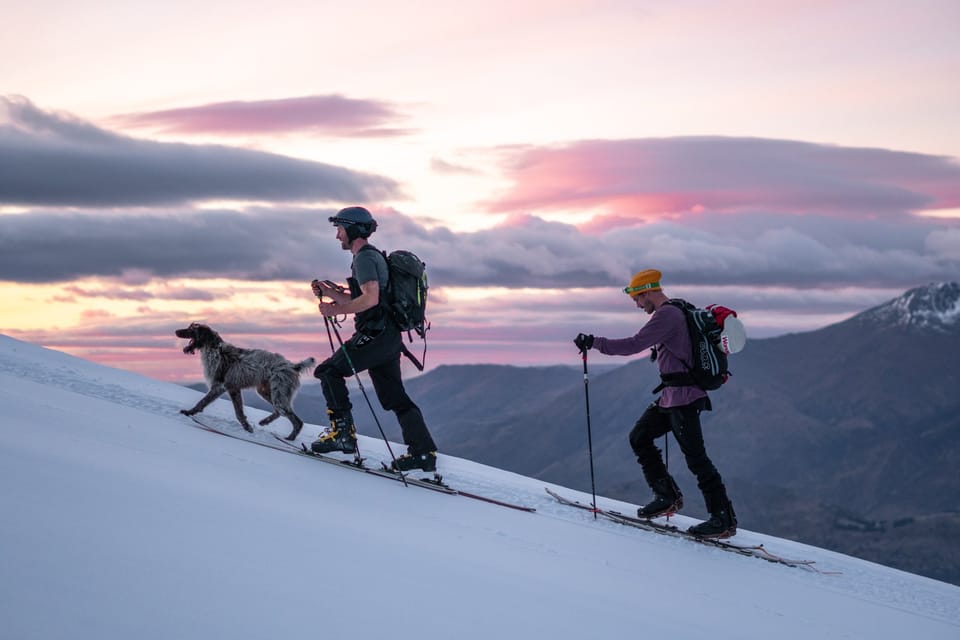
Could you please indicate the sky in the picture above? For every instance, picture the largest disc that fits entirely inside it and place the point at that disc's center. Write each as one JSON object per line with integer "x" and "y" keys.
{"x": 141, "y": 525}
{"x": 796, "y": 161}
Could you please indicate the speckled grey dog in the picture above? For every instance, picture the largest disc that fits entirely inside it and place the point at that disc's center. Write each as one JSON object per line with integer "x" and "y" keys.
{"x": 231, "y": 369}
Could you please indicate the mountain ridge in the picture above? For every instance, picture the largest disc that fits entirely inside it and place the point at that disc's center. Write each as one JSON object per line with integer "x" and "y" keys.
{"x": 935, "y": 307}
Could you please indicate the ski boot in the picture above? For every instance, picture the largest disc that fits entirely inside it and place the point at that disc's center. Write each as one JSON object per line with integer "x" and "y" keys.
{"x": 667, "y": 500}
{"x": 409, "y": 462}
{"x": 341, "y": 435}
{"x": 722, "y": 524}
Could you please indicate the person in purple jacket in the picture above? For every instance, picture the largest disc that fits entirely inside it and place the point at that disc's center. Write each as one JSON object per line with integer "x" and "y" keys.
{"x": 677, "y": 409}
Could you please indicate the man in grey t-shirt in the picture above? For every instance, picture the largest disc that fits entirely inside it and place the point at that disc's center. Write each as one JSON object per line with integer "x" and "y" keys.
{"x": 375, "y": 346}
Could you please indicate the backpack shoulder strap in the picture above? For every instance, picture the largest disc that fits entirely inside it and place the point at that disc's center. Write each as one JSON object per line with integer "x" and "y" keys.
{"x": 373, "y": 248}
{"x": 686, "y": 378}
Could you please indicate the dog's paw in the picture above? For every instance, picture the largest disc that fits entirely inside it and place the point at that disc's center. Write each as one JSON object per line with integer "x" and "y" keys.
{"x": 187, "y": 412}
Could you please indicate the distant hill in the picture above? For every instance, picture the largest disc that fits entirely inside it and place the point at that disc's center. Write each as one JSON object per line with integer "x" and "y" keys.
{"x": 846, "y": 437}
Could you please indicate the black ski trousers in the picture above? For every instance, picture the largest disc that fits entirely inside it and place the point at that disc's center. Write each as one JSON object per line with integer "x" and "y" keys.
{"x": 684, "y": 422}
{"x": 380, "y": 355}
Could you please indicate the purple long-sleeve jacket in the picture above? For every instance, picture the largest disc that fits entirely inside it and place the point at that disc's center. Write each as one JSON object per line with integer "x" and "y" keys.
{"x": 667, "y": 330}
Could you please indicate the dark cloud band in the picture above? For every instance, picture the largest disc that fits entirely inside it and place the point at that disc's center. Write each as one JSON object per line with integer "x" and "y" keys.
{"x": 274, "y": 244}
{"x": 50, "y": 159}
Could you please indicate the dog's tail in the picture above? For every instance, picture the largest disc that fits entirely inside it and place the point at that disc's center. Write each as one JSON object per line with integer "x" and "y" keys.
{"x": 302, "y": 366}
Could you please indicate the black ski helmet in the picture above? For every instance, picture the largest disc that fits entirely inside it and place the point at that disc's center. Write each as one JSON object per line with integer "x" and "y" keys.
{"x": 356, "y": 221}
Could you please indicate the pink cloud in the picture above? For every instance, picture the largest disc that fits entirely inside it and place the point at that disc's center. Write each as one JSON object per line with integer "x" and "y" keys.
{"x": 631, "y": 181}
{"x": 323, "y": 115}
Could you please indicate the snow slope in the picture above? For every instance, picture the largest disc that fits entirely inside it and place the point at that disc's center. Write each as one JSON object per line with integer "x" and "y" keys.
{"x": 120, "y": 519}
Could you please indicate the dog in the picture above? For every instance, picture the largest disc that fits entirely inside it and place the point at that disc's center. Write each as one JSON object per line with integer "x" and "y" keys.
{"x": 231, "y": 369}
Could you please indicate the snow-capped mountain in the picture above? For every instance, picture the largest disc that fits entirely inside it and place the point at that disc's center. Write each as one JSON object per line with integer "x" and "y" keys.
{"x": 121, "y": 519}
{"x": 934, "y": 308}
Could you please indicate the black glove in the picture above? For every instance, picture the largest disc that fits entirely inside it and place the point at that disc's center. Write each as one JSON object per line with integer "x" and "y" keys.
{"x": 583, "y": 341}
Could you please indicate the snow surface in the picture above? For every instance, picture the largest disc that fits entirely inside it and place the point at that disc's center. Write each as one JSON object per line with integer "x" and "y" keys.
{"x": 120, "y": 519}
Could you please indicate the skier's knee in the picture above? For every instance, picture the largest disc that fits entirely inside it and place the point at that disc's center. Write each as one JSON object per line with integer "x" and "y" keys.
{"x": 640, "y": 442}
{"x": 324, "y": 370}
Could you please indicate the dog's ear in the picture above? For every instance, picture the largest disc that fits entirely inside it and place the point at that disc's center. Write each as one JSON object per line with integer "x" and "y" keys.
{"x": 206, "y": 336}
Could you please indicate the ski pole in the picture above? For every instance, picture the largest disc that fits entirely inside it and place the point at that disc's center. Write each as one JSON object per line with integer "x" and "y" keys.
{"x": 356, "y": 375}
{"x": 586, "y": 391}
{"x": 666, "y": 449}
{"x": 327, "y": 321}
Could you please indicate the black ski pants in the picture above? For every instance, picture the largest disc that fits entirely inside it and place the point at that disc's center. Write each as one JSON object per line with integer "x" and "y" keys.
{"x": 380, "y": 355}
{"x": 684, "y": 422}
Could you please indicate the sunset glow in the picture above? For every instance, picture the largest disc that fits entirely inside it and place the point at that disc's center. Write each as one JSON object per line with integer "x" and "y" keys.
{"x": 797, "y": 161}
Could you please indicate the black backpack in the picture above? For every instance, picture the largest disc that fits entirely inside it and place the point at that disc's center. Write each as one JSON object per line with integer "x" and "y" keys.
{"x": 707, "y": 367}
{"x": 406, "y": 297}
{"x": 407, "y": 291}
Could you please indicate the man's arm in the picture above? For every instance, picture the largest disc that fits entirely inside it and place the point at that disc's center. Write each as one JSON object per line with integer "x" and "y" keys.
{"x": 658, "y": 328}
{"x": 369, "y": 297}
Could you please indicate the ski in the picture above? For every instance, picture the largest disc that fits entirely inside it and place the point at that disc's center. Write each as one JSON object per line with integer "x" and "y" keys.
{"x": 206, "y": 427}
{"x": 355, "y": 463}
{"x": 641, "y": 523}
{"x": 434, "y": 484}
{"x": 756, "y": 551}
{"x": 509, "y": 505}
{"x": 437, "y": 481}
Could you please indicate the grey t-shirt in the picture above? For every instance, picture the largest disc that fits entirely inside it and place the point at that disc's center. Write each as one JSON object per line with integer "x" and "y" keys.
{"x": 369, "y": 265}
